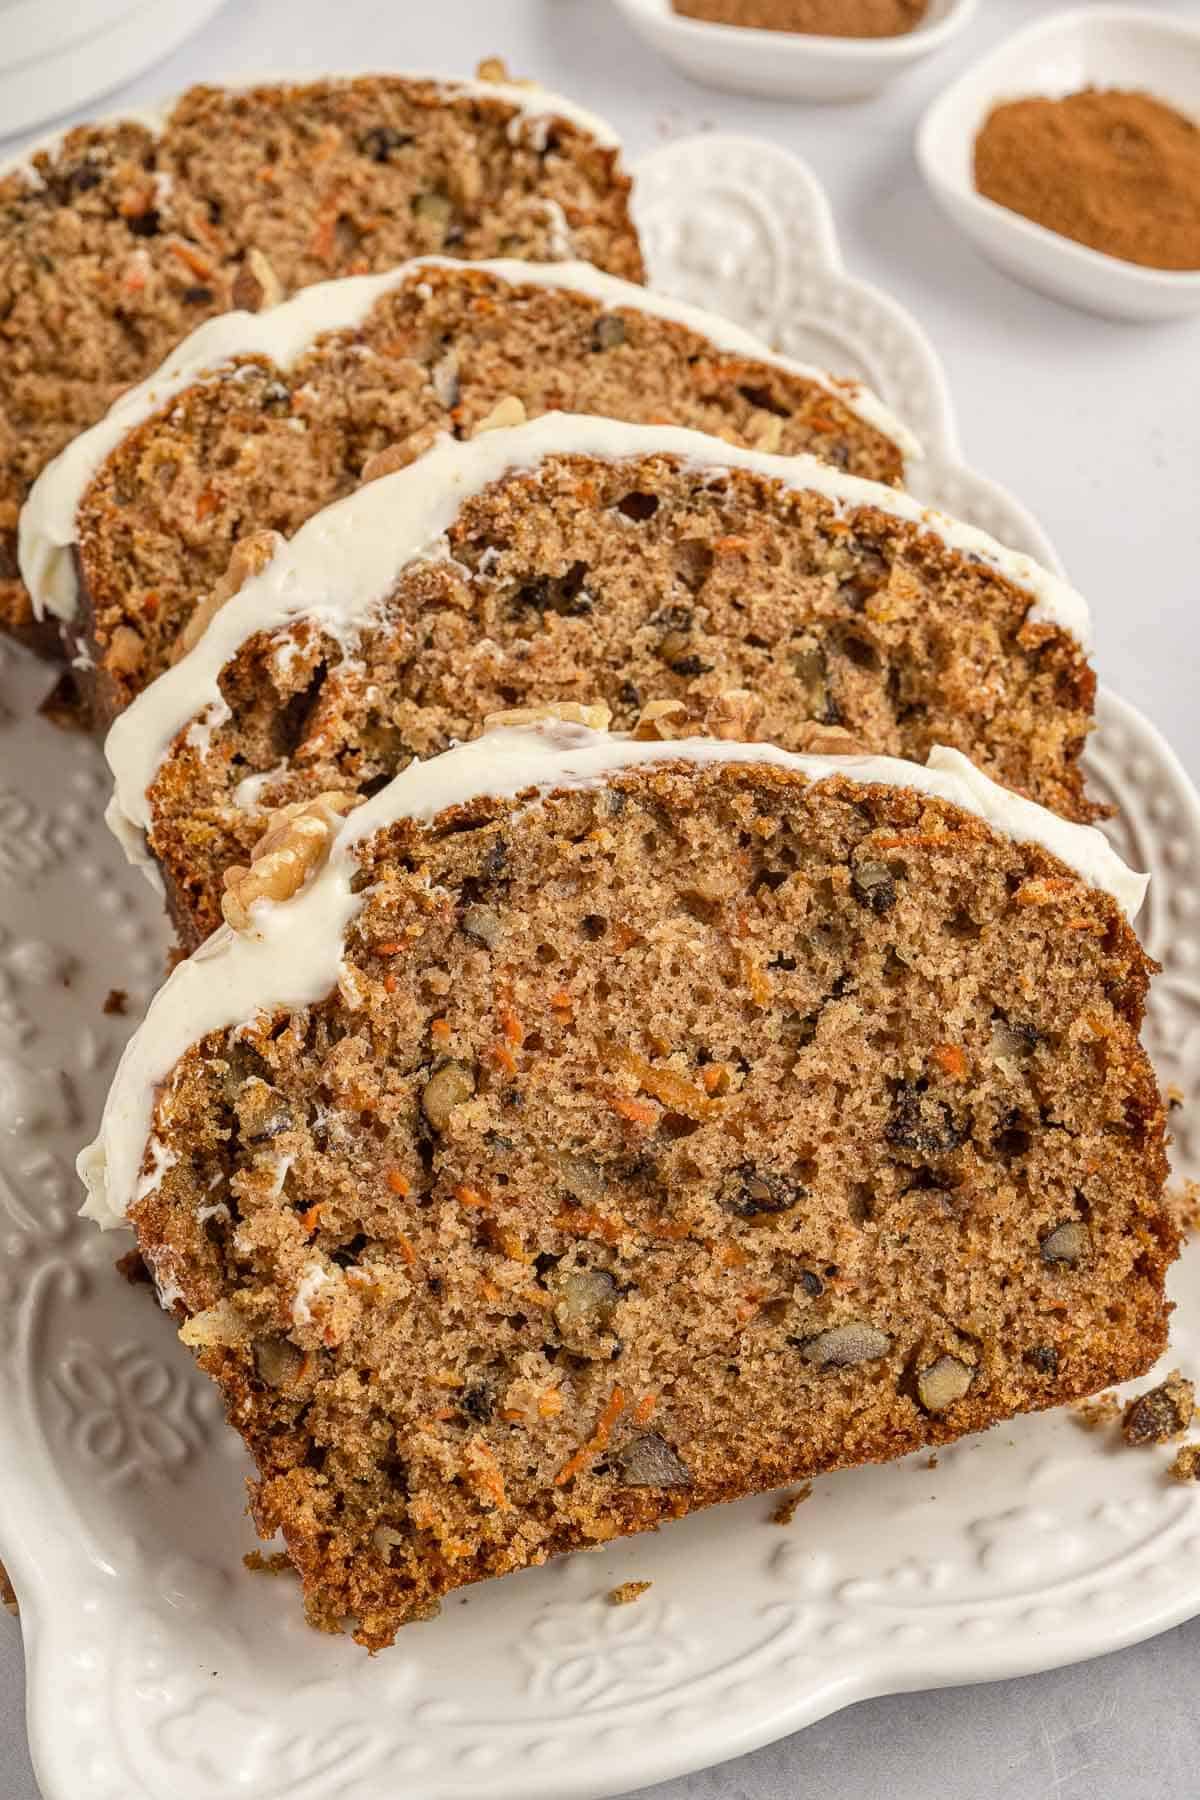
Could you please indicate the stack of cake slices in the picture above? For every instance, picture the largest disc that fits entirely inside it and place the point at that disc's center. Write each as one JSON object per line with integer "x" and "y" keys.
{"x": 661, "y": 1021}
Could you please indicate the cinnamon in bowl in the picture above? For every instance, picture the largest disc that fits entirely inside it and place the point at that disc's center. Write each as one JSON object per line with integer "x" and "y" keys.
{"x": 1116, "y": 170}
{"x": 811, "y": 18}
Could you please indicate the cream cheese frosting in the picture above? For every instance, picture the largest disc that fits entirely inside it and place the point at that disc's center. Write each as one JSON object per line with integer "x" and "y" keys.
{"x": 47, "y": 530}
{"x": 344, "y": 562}
{"x": 293, "y": 957}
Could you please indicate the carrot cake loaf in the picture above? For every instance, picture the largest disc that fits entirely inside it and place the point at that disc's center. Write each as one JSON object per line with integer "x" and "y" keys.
{"x": 117, "y": 239}
{"x": 580, "y": 559}
{"x": 256, "y": 422}
{"x": 588, "y": 1129}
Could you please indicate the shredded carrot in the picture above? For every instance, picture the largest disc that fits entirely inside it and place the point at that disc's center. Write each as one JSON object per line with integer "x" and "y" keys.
{"x": 192, "y": 259}
{"x": 715, "y": 1078}
{"x": 1082, "y": 924}
{"x": 150, "y": 605}
{"x": 443, "y": 1413}
{"x": 469, "y": 1196}
{"x": 623, "y": 937}
{"x": 579, "y": 1222}
{"x": 488, "y": 1289}
{"x": 489, "y": 1480}
{"x": 510, "y": 1025}
{"x": 388, "y": 949}
{"x": 512, "y": 1415}
{"x": 207, "y": 503}
{"x": 407, "y": 1251}
{"x": 135, "y": 202}
{"x": 324, "y": 242}
{"x": 636, "y": 1111}
{"x": 665, "y": 1085}
{"x": 585, "y": 492}
{"x": 390, "y": 984}
{"x": 439, "y": 1031}
{"x": 550, "y": 1404}
{"x": 399, "y": 1183}
{"x": 502, "y": 1057}
{"x": 645, "y": 1408}
{"x": 822, "y": 422}
{"x": 311, "y": 1217}
{"x": 724, "y": 546}
{"x": 598, "y": 1440}
{"x": 135, "y": 278}
{"x": 950, "y": 1060}
{"x": 267, "y": 173}
{"x": 1044, "y": 891}
{"x": 758, "y": 983}
{"x": 729, "y": 1256}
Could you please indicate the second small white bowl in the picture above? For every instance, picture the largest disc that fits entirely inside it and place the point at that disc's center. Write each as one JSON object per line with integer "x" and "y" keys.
{"x": 1093, "y": 47}
{"x": 790, "y": 65}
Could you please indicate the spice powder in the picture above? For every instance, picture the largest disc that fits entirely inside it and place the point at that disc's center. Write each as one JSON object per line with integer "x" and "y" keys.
{"x": 1115, "y": 170}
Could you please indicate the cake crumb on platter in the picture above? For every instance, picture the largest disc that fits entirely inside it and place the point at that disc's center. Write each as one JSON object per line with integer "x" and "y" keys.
{"x": 1186, "y": 1466}
{"x": 1099, "y": 1411}
{"x": 627, "y": 1592}
{"x": 116, "y": 1002}
{"x": 1162, "y": 1413}
{"x": 277, "y": 1562}
{"x": 786, "y": 1511}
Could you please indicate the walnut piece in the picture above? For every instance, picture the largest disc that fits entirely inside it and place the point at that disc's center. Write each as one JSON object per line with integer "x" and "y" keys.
{"x": 814, "y": 739}
{"x": 566, "y": 712}
{"x": 662, "y": 720}
{"x": 249, "y": 556}
{"x": 256, "y": 286}
{"x": 399, "y": 456}
{"x": 734, "y": 715}
{"x": 505, "y": 413}
{"x": 293, "y": 847}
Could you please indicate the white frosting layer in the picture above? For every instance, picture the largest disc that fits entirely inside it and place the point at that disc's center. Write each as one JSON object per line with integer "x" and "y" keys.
{"x": 283, "y": 335}
{"x": 345, "y": 561}
{"x": 295, "y": 957}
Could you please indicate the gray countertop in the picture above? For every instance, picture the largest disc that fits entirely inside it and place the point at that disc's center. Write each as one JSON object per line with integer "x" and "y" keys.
{"x": 1095, "y": 427}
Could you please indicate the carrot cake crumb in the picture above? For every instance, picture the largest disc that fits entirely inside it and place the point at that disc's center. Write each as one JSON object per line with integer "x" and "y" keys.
{"x": 628, "y": 1592}
{"x": 1162, "y": 1413}
{"x": 277, "y": 1563}
{"x": 786, "y": 1511}
{"x": 1098, "y": 1412}
{"x": 115, "y": 1002}
{"x": 1186, "y": 1466}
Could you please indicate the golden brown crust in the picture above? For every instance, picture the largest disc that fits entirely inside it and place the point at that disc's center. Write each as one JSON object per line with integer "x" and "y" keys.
{"x": 123, "y": 242}
{"x": 688, "y": 1137}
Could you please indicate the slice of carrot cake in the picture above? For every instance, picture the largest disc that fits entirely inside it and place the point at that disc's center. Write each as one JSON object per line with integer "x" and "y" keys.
{"x": 117, "y": 239}
{"x": 256, "y": 422}
{"x": 578, "y": 558}
{"x": 593, "y": 1129}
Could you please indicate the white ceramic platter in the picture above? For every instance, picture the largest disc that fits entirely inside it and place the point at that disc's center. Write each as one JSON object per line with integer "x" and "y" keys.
{"x": 159, "y": 1669}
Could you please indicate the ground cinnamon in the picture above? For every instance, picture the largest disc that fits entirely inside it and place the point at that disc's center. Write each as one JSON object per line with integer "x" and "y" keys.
{"x": 1115, "y": 170}
{"x": 812, "y": 18}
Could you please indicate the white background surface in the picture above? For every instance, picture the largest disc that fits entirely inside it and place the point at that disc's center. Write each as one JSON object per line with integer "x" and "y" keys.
{"x": 1097, "y": 428}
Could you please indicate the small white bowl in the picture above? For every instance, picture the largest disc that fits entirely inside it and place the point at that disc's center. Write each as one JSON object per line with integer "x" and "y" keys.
{"x": 1093, "y": 47}
{"x": 788, "y": 65}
